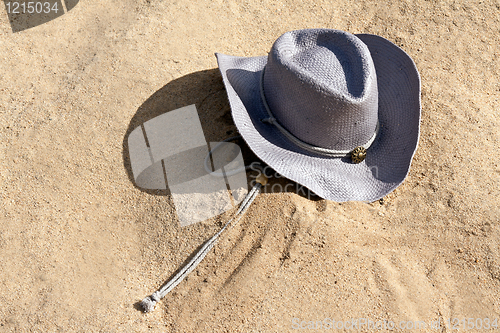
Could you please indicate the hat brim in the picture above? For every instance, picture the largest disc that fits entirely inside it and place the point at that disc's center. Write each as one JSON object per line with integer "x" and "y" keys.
{"x": 388, "y": 159}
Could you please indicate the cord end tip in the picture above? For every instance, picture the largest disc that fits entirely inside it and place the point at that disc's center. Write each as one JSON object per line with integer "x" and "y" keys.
{"x": 148, "y": 304}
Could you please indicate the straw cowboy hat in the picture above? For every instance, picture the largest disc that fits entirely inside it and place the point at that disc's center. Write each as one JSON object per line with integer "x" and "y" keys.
{"x": 335, "y": 112}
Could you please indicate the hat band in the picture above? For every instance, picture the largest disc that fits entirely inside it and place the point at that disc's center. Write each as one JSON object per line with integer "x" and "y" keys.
{"x": 305, "y": 145}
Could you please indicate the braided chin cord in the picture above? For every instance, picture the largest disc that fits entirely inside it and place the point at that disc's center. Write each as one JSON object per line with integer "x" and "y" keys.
{"x": 149, "y": 302}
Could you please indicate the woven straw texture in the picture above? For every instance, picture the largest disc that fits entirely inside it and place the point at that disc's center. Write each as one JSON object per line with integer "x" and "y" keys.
{"x": 322, "y": 87}
{"x": 326, "y": 86}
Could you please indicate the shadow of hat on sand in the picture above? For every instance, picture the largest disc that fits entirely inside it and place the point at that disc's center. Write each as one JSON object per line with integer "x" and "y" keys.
{"x": 205, "y": 90}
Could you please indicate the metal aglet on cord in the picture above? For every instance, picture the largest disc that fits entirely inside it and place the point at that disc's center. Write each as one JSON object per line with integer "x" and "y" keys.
{"x": 149, "y": 302}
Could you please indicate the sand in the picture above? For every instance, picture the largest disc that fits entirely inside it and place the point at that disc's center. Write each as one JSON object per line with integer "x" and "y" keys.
{"x": 80, "y": 244}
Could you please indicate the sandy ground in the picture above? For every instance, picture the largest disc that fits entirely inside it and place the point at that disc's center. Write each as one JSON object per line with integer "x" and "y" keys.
{"x": 80, "y": 244}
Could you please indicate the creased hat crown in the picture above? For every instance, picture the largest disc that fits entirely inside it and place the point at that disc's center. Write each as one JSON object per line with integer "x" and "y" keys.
{"x": 321, "y": 86}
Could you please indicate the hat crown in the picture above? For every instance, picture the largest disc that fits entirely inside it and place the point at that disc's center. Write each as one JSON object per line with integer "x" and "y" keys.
{"x": 321, "y": 86}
